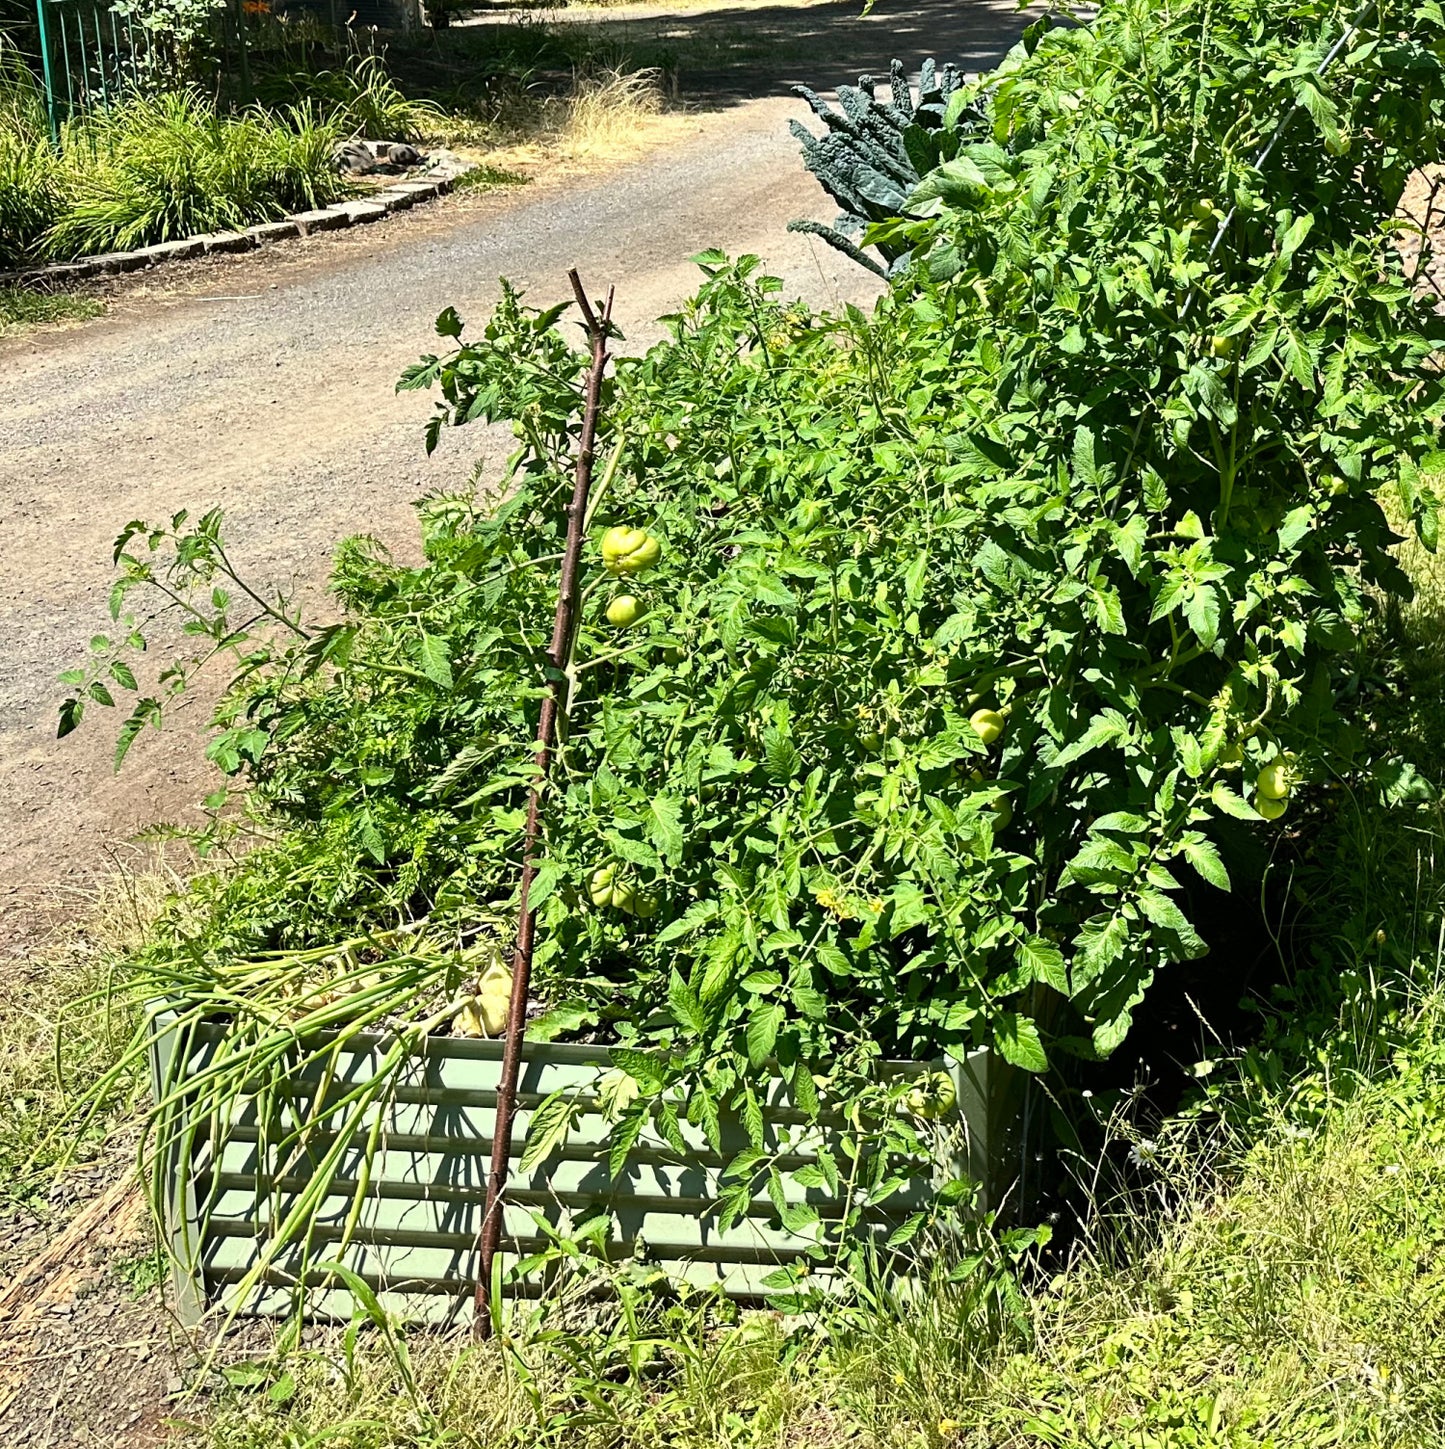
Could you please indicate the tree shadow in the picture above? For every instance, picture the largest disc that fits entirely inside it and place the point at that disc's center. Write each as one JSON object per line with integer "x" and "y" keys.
{"x": 712, "y": 58}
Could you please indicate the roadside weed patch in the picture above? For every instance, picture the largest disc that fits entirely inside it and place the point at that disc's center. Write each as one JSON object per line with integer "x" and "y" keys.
{"x": 22, "y": 307}
{"x": 487, "y": 178}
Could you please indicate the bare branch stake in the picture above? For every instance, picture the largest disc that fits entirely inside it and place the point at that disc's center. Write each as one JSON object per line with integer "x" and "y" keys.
{"x": 489, "y": 1238}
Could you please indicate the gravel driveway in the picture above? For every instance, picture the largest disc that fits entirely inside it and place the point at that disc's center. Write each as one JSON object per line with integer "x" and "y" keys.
{"x": 264, "y": 385}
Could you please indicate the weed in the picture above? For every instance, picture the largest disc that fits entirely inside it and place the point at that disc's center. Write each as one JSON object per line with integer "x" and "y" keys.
{"x": 22, "y": 307}
{"x": 141, "y": 1273}
{"x": 488, "y": 178}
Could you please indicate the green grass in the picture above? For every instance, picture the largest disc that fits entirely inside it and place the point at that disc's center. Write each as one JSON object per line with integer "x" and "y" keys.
{"x": 487, "y": 178}
{"x": 1289, "y": 1295}
{"x": 20, "y": 307}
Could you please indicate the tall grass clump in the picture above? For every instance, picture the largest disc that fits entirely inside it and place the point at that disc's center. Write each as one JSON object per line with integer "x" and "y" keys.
{"x": 359, "y": 96}
{"x": 30, "y": 191}
{"x": 605, "y": 108}
{"x": 158, "y": 168}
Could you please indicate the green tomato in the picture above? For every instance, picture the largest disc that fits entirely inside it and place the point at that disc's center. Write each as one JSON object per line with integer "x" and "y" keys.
{"x": 987, "y": 724}
{"x": 1232, "y": 754}
{"x": 1269, "y": 807}
{"x": 931, "y": 1097}
{"x": 872, "y": 741}
{"x": 599, "y": 885}
{"x": 1272, "y": 782}
{"x": 1204, "y": 210}
{"x": 1221, "y": 346}
{"x": 624, "y": 611}
{"x": 646, "y": 903}
{"x": 629, "y": 550}
{"x": 1003, "y": 813}
{"x": 607, "y": 888}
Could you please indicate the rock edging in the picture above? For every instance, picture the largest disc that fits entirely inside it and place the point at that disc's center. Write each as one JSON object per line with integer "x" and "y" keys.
{"x": 446, "y": 167}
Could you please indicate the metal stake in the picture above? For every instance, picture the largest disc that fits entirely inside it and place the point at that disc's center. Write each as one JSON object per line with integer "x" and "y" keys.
{"x": 490, "y": 1236}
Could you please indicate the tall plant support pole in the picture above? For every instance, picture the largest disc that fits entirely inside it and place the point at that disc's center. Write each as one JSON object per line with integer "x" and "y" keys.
{"x": 562, "y": 630}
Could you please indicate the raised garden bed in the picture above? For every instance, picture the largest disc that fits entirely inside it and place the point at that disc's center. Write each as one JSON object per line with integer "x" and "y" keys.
{"x": 415, "y": 1238}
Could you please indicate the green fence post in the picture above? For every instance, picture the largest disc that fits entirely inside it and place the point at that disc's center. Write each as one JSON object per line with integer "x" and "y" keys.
{"x": 50, "y": 101}
{"x": 248, "y": 93}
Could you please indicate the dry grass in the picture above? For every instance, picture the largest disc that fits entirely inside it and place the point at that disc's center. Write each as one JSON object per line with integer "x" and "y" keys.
{"x": 609, "y": 116}
{"x": 605, "y": 110}
{"x": 58, "y": 1030}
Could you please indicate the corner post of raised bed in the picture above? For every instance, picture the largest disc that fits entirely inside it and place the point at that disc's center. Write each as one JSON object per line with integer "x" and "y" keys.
{"x": 563, "y": 628}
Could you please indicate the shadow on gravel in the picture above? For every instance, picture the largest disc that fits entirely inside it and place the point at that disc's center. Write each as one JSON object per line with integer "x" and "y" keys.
{"x": 717, "y": 57}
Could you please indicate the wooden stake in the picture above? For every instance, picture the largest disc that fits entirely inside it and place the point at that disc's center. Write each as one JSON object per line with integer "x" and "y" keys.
{"x": 490, "y": 1236}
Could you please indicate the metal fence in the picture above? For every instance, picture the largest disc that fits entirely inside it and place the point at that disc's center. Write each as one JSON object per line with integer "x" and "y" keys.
{"x": 91, "y": 55}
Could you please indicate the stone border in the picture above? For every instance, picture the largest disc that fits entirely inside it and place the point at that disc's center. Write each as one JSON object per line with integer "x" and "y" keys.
{"x": 397, "y": 195}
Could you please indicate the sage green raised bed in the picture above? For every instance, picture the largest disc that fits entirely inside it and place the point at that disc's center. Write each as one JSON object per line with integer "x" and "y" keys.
{"x": 415, "y": 1239}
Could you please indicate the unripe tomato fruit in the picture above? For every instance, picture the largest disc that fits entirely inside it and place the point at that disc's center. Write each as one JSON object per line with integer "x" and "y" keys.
{"x": 931, "y": 1097}
{"x": 606, "y": 887}
{"x": 872, "y": 741}
{"x": 1269, "y": 807}
{"x": 1273, "y": 781}
{"x": 624, "y": 611}
{"x": 1221, "y": 346}
{"x": 987, "y": 724}
{"x": 1003, "y": 813}
{"x": 629, "y": 550}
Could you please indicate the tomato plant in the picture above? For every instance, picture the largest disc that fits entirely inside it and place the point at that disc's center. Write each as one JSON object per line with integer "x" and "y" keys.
{"x": 970, "y": 625}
